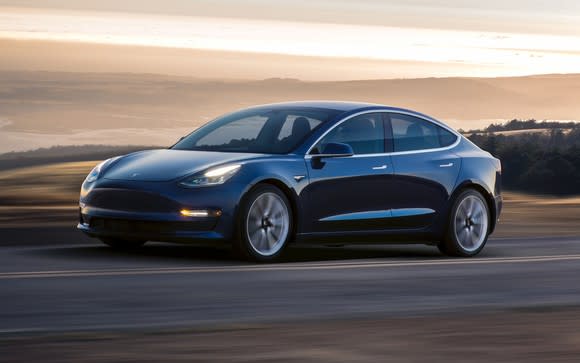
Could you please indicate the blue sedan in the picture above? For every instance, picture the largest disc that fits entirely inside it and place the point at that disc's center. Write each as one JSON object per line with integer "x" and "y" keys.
{"x": 313, "y": 172}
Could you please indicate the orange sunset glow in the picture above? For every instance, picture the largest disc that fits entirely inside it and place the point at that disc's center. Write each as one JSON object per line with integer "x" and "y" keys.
{"x": 403, "y": 42}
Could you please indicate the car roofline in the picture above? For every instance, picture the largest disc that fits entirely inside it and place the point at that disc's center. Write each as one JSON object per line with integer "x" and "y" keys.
{"x": 345, "y": 108}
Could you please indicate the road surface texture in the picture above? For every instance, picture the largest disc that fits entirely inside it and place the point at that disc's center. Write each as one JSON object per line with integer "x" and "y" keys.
{"x": 76, "y": 300}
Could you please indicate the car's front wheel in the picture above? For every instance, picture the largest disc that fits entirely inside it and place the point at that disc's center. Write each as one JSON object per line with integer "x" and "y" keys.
{"x": 265, "y": 224}
{"x": 121, "y": 244}
{"x": 468, "y": 227}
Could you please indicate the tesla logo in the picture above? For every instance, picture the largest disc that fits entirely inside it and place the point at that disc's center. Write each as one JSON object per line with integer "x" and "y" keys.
{"x": 134, "y": 175}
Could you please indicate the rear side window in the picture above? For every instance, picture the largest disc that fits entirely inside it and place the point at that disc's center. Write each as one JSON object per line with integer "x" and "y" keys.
{"x": 446, "y": 138}
{"x": 412, "y": 133}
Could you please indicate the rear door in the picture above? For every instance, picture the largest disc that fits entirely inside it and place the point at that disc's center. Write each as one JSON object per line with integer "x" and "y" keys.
{"x": 425, "y": 169}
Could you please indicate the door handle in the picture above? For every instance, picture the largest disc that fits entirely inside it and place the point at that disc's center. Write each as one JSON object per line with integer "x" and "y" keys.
{"x": 382, "y": 167}
{"x": 448, "y": 165}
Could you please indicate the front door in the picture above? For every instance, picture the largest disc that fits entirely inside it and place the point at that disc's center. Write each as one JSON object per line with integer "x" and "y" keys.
{"x": 351, "y": 193}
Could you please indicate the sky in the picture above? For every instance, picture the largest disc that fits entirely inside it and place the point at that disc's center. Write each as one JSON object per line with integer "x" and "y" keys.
{"x": 453, "y": 37}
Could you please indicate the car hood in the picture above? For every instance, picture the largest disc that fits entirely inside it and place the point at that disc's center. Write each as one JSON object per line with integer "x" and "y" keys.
{"x": 167, "y": 164}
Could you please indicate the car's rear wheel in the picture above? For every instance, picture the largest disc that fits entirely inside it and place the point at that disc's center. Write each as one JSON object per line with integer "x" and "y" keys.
{"x": 265, "y": 224}
{"x": 468, "y": 227}
{"x": 122, "y": 244}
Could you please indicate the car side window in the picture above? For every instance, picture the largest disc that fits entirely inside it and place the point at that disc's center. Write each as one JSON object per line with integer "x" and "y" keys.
{"x": 297, "y": 125}
{"x": 412, "y": 133}
{"x": 364, "y": 133}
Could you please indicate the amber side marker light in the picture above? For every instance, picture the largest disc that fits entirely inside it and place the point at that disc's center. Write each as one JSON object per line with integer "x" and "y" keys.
{"x": 200, "y": 213}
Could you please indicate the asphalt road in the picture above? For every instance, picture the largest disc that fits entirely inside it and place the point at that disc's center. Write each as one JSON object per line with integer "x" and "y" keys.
{"x": 77, "y": 284}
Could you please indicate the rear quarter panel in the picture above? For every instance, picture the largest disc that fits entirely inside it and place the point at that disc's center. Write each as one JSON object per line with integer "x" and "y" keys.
{"x": 480, "y": 169}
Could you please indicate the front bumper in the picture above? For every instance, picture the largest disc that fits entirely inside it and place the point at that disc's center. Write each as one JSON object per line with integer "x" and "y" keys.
{"x": 153, "y": 212}
{"x": 108, "y": 223}
{"x": 179, "y": 236}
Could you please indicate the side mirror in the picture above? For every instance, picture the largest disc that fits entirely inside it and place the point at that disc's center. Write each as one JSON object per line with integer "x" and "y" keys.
{"x": 335, "y": 150}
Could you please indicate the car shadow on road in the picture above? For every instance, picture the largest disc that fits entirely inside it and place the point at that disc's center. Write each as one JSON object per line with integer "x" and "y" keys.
{"x": 165, "y": 253}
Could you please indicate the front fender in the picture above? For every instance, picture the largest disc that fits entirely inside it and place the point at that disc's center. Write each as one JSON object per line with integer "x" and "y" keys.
{"x": 281, "y": 173}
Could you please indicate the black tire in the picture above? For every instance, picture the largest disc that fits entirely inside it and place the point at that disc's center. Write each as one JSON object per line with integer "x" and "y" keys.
{"x": 121, "y": 244}
{"x": 242, "y": 245}
{"x": 461, "y": 230}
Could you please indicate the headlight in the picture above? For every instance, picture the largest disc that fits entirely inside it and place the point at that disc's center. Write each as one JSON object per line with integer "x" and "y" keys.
{"x": 96, "y": 172}
{"x": 212, "y": 176}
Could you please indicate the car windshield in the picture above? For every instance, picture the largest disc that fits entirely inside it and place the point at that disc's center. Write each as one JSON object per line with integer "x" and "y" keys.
{"x": 267, "y": 131}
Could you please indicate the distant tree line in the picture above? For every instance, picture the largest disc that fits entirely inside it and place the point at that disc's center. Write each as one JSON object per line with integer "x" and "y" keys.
{"x": 532, "y": 124}
{"x": 546, "y": 162}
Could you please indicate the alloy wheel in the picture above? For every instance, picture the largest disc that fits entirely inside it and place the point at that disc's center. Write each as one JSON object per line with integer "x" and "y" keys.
{"x": 267, "y": 224}
{"x": 471, "y": 223}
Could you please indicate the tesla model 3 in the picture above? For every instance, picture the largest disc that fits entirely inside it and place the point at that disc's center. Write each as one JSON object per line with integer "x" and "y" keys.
{"x": 312, "y": 172}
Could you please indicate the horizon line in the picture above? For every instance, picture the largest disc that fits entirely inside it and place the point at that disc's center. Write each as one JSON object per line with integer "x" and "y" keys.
{"x": 288, "y": 79}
